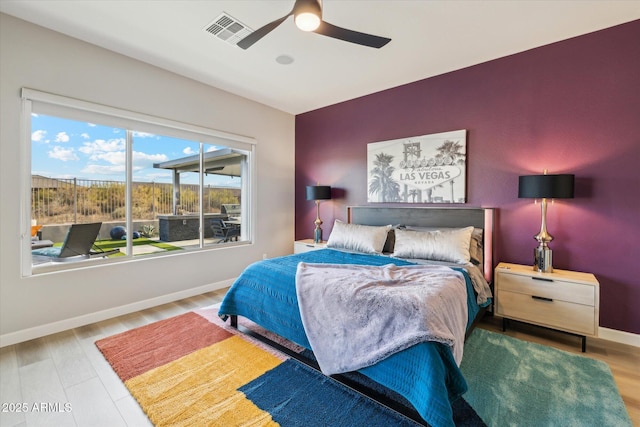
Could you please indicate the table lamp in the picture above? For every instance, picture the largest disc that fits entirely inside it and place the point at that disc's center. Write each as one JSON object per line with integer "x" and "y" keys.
{"x": 318, "y": 193}
{"x": 545, "y": 187}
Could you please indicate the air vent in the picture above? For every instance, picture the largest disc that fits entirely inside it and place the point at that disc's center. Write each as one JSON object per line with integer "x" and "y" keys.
{"x": 228, "y": 29}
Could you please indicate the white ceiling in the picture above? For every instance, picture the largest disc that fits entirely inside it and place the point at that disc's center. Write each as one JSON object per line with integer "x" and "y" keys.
{"x": 429, "y": 37}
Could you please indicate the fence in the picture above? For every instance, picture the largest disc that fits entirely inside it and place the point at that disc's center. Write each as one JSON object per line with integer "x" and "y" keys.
{"x": 58, "y": 201}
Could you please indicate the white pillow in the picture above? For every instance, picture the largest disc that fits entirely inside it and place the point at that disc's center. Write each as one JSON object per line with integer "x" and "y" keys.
{"x": 360, "y": 238}
{"x": 476, "y": 247}
{"x": 438, "y": 245}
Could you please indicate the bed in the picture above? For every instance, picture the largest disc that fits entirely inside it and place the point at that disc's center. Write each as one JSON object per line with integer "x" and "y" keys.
{"x": 426, "y": 373}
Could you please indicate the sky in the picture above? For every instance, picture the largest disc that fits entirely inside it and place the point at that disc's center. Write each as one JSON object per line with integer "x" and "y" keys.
{"x": 62, "y": 148}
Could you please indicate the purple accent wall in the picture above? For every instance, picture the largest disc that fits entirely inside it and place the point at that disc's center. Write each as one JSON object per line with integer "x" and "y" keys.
{"x": 569, "y": 107}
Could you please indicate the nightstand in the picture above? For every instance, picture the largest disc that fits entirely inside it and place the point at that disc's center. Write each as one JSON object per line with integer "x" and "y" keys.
{"x": 306, "y": 245}
{"x": 567, "y": 301}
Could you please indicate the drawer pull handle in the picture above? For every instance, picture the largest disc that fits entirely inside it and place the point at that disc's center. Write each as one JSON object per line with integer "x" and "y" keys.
{"x": 542, "y": 279}
{"x": 542, "y": 298}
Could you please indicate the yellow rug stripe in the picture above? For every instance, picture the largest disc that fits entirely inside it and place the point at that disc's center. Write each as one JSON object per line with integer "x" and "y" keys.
{"x": 204, "y": 385}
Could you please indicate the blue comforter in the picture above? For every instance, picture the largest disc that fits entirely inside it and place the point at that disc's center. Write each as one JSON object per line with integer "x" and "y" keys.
{"x": 425, "y": 374}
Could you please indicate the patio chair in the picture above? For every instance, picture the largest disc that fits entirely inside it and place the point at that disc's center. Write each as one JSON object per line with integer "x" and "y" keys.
{"x": 77, "y": 244}
{"x": 224, "y": 232}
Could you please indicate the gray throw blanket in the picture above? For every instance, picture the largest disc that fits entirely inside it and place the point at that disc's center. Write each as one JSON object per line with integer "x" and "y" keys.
{"x": 357, "y": 315}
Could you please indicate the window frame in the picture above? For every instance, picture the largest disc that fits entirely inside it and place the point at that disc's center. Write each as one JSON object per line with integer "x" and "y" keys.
{"x": 35, "y": 101}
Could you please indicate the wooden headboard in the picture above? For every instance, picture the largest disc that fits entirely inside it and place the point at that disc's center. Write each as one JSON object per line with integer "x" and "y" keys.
{"x": 432, "y": 217}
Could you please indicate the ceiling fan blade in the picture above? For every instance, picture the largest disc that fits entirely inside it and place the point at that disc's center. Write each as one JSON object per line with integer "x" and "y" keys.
{"x": 351, "y": 36}
{"x": 261, "y": 32}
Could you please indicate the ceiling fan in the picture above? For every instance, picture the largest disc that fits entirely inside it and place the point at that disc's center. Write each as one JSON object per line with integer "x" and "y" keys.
{"x": 308, "y": 17}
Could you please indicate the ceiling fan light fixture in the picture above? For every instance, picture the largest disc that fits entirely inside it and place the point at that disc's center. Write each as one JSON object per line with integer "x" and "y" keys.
{"x": 307, "y": 21}
{"x": 308, "y": 17}
{"x": 307, "y": 14}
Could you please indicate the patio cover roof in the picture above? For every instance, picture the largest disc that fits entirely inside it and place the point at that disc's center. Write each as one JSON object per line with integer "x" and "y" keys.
{"x": 219, "y": 162}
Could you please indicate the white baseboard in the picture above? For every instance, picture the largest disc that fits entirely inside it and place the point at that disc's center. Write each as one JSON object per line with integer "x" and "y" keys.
{"x": 621, "y": 337}
{"x": 87, "y": 319}
{"x": 614, "y": 335}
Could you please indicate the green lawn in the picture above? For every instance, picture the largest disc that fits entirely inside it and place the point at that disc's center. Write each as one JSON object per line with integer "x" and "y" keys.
{"x": 106, "y": 245}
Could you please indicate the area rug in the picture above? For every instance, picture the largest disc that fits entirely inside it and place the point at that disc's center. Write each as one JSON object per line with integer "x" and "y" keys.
{"x": 518, "y": 383}
{"x": 187, "y": 371}
{"x": 193, "y": 369}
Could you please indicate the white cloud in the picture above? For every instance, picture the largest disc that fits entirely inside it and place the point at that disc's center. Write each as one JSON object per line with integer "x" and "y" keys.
{"x": 101, "y": 146}
{"x": 91, "y": 125}
{"x": 63, "y": 154}
{"x": 113, "y": 152}
{"x": 140, "y": 160}
{"x": 38, "y": 136}
{"x": 112, "y": 157}
{"x": 142, "y": 134}
{"x": 188, "y": 151}
{"x": 62, "y": 137}
{"x": 85, "y": 135}
{"x": 145, "y": 159}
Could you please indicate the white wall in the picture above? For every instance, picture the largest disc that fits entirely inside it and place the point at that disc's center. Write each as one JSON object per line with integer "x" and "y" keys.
{"x": 34, "y": 57}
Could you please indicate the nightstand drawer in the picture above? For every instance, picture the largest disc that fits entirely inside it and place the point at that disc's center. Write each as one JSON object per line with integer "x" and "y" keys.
{"x": 564, "y": 300}
{"x": 548, "y": 288}
{"x": 300, "y": 246}
{"x": 552, "y": 313}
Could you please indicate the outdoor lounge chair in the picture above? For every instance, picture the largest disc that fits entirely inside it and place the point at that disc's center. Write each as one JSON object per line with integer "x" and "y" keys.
{"x": 77, "y": 245}
{"x": 224, "y": 232}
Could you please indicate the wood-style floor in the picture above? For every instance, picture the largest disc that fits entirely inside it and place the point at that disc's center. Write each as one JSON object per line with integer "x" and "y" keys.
{"x": 67, "y": 368}
{"x": 64, "y": 380}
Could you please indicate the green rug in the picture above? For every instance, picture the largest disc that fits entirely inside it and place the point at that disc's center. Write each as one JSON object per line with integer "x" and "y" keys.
{"x": 517, "y": 383}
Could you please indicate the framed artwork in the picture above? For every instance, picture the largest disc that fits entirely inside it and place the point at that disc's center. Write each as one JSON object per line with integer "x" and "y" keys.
{"x": 421, "y": 169}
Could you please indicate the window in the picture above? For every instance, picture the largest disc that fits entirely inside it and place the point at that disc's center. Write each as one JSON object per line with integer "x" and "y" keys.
{"x": 154, "y": 186}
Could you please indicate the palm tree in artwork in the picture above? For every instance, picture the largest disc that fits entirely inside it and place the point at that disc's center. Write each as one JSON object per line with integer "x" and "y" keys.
{"x": 451, "y": 153}
{"x": 430, "y": 193}
{"x": 413, "y": 194}
{"x": 381, "y": 181}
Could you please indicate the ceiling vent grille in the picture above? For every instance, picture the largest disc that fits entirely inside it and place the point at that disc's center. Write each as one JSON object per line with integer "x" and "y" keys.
{"x": 228, "y": 29}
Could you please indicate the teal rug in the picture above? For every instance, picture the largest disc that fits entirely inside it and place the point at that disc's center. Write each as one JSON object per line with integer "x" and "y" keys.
{"x": 517, "y": 383}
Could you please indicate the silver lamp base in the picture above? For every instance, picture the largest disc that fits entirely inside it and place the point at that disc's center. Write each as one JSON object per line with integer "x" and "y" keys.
{"x": 317, "y": 235}
{"x": 317, "y": 232}
{"x": 542, "y": 256}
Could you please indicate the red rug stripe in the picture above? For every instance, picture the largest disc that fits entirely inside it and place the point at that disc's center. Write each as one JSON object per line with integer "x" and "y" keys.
{"x": 136, "y": 351}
